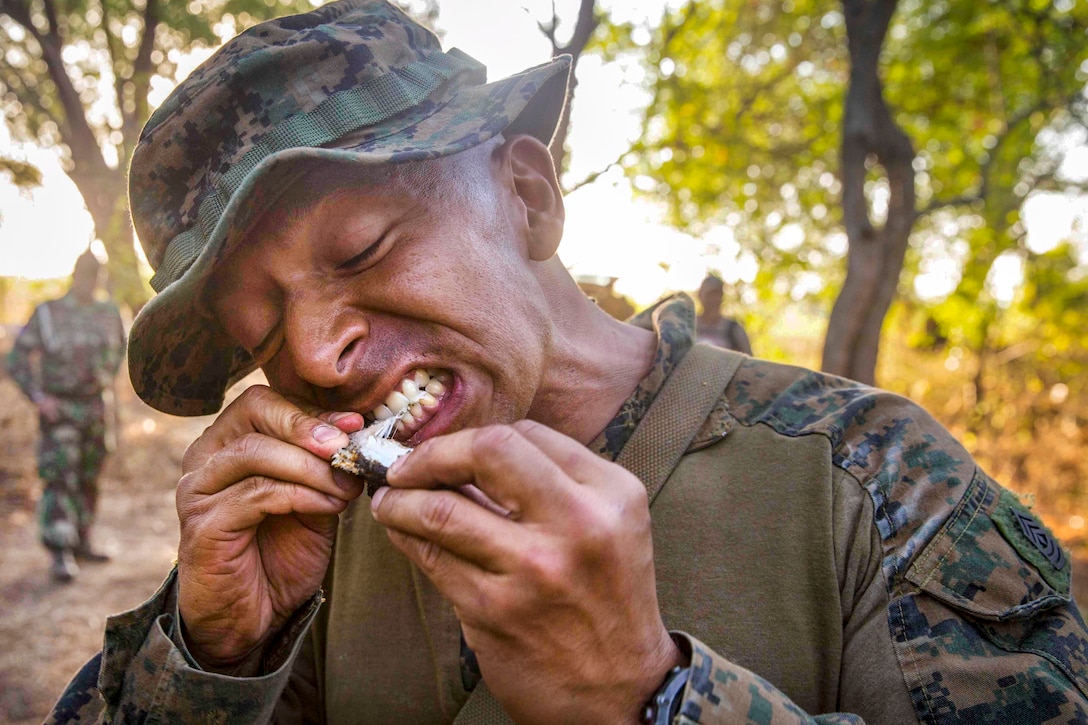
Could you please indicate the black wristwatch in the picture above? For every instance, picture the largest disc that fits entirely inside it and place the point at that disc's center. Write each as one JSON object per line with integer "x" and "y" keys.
{"x": 665, "y": 704}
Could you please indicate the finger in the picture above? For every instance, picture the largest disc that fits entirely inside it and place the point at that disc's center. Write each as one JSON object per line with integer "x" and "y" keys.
{"x": 451, "y": 521}
{"x": 505, "y": 465}
{"x": 347, "y": 421}
{"x": 574, "y": 459}
{"x": 460, "y": 582}
{"x": 248, "y": 502}
{"x": 260, "y": 409}
{"x": 256, "y": 454}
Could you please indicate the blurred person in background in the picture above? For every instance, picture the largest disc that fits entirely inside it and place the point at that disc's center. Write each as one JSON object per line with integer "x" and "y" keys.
{"x": 64, "y": 359}
{"x": 714, "y": 328}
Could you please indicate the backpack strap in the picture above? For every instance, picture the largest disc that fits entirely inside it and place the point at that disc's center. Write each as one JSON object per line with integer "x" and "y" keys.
{"x": 651, "y": 453}
{"x": 677, "y": 413}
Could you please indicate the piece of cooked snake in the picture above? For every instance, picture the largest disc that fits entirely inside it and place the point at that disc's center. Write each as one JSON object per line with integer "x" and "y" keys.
{"x": 370, "y": 452}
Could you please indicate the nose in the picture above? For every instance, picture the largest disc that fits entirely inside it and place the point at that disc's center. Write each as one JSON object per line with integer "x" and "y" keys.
{"x": 323, "y": 335}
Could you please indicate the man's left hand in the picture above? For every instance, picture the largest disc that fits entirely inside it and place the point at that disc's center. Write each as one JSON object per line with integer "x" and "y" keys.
{"x": 558, "y": 599}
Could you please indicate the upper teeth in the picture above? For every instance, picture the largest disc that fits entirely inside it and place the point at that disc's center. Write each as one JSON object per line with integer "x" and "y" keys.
{"x": 416, "y": 392}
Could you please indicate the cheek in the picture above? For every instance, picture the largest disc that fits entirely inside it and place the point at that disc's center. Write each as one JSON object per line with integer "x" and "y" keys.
{"x": 282, "y": 378}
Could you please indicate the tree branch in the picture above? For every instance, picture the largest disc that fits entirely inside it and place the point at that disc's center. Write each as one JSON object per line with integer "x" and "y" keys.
{"x": 590, "y": 178}
{"x": 674, "y": 30}
{"x": 987, "y": 166}
{"x": 549, "y": 30}
{"x": 587, "y": 22}
{"x": 26, "y": 92}
{"x": 140, "y": 80}
{"x": 51, "y": 18}
{"x": 80, "y": 138}
{"x": 116, "y": 58}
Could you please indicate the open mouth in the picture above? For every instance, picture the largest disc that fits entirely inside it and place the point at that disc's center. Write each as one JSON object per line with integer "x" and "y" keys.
{"x": 415, "y": 400}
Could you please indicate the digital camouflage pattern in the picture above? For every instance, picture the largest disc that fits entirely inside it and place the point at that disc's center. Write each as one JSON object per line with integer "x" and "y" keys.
{"x": 70, "y": 456}
{"x": 673, "y": 319}
{"x": 980, "y": 634}
{"x": 355, "y": 82}
{"x": 70, "y": 351}
{"x": 80, "y": 348}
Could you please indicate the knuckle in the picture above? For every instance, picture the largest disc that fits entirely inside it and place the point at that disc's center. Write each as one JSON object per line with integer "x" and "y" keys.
{"x": 438, "y": 513}
{"x": 525, "y": 425}
{"x": 633, "y": 490}
{"x": 249, "y": 448}
{"x": 430, "y": 555}
{"x": 491, "y": 441}
{"x": 185, "y": 497}
{"x": 546, "y": 567}
{"x": 297, "y": 422}
{"x": 194, "y": 451}
{"x": 257, "y": 487}
{"x": 253, "y": 395}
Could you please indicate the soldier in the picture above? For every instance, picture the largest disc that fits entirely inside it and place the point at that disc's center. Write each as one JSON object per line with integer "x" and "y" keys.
{"x": 676, "y": 533}
{"x": 63, "y": 360}
{"x": 714, "y": 328}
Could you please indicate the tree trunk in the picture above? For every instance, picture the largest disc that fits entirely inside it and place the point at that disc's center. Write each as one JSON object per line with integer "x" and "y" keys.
{"x": 106, "y": 198}
{"x": 584, "y": 26}
{"x": 875, "y": 256}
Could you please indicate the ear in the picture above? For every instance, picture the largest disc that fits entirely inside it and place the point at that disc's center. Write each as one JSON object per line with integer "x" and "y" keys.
{"x": 535, "y": 183}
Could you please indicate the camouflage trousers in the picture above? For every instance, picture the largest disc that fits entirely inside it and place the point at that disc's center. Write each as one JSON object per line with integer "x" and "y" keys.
{"x": 71, "y": 451}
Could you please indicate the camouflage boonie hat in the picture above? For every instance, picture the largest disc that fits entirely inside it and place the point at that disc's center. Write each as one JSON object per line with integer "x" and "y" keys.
{"x": 355, "y": 82}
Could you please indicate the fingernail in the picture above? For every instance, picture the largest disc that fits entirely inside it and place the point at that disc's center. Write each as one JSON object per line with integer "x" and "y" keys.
{"x": 376, "y": 499}
{"x": 337, "y": 417}
{"x": 347, "y": 481}
{"x": 324, "y": 433}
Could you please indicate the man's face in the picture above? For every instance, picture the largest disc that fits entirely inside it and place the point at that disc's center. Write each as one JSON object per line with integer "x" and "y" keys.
{"x": 343, "y": 299}
{"x": 85, "y": 279}
{"x": 710, "y": 297}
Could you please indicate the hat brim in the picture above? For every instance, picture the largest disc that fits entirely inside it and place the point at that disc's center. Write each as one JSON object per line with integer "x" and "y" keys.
{"x": 181, "y": 361}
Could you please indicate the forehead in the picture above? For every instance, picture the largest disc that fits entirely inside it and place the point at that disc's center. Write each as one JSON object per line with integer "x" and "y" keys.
{"x": 441, "y": 178}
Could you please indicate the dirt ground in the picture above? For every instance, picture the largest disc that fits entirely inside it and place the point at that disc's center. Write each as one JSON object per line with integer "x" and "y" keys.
{"x": 48, "y": 630}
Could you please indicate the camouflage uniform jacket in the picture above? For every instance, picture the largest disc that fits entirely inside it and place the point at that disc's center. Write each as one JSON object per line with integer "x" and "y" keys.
{"x": 823, "y": 548}
{"x": 81, "y": 346}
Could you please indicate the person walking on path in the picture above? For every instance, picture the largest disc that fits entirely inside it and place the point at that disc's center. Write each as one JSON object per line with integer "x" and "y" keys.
{"x": 63, "y": 360}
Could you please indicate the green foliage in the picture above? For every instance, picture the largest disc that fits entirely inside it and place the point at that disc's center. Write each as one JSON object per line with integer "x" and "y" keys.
{"x": 104, "y": 52}
{"x": 23, "y": 175}
{"x": 991, "y": 93}
{"x": 744, "y": 127}
{"x": 78, "y": 76}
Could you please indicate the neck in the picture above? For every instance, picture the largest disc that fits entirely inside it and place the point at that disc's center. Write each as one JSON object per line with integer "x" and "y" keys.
{"x": 594, "y": 364}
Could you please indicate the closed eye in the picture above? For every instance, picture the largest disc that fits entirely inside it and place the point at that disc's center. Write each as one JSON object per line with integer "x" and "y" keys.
{"x": 268, "y": 347}
{"x": 362, "y": 257}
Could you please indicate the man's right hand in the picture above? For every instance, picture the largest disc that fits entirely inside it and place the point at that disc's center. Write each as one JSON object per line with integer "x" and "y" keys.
{"x": 258, "y": 504}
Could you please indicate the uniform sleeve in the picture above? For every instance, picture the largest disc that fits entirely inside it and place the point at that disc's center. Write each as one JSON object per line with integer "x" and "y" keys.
{"x": 19, "y": 362}
{"x": 976, "y": 591}
{"x": 144, "y": 674}
{"x": 719, "y": 691}
{"x": 981, "y": 623}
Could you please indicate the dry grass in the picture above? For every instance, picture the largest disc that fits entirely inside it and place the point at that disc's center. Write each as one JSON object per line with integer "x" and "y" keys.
{"x": 1029, "y": 430}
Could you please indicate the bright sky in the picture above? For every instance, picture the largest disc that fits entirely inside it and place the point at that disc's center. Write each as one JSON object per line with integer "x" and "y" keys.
{"x": 608, "y": 233}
